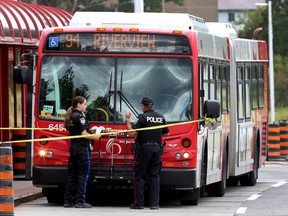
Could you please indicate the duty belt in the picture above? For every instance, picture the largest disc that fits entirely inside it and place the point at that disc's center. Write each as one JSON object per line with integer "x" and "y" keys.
{"x": 151, "y": 144}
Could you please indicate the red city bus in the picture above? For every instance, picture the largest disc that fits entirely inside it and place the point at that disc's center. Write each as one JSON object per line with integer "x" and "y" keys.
{"x": 191, "y": 72}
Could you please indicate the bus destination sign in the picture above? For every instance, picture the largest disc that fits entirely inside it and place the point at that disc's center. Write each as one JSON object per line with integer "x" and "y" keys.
{"x": 117, "y": 42}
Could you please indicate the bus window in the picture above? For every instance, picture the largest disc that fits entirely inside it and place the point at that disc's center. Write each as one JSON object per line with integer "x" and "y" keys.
{"x": 218, "y": 84}
{"x": 261, "y": 85}
{"x": 204, "y": 84}
{"x": 206, "y": 81}
{"x": 166, "y": 80}
{"x": 110, "y": 98}
{"x": 254, "y": 87}
{"x": 247, "y": 74}
{"x": 212, "y": 93}
{"x": 223, "y": 70}
{"x": 240, "y": 90}
{"x": 63, "y": 78}
{"x": 228, "y": 87}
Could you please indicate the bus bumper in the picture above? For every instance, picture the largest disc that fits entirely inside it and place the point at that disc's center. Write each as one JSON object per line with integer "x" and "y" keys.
{"x": 172, "y": 178}
{"x": 49, "y": 176}
{"x": 178, "y": 178}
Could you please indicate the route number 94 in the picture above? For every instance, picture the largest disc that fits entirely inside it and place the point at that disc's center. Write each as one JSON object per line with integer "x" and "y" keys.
{"x": 56, "y": 127}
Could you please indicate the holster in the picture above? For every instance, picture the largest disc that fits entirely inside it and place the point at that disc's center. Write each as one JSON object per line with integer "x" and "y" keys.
{"x": 162, "y": 147}
{"x": 135, "y": 148}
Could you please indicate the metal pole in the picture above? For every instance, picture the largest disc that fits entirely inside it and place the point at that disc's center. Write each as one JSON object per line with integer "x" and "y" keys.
{"x": 138, "y": 6}
{"x": 271, "y": 63}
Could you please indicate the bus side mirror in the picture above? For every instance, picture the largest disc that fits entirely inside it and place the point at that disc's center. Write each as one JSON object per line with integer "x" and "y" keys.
{"x": 211, "y": 109}
{"x": 21, "y": 74}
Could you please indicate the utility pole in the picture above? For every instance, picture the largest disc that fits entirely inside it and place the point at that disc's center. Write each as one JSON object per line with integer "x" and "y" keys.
{"x": 271, "y": 63}
{"x": 138, "y": 6}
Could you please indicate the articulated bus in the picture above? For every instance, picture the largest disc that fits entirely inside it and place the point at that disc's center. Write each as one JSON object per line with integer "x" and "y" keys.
{"x": 191, "y": 71}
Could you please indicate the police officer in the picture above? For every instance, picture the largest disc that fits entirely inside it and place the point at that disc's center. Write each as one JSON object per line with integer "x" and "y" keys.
{"x": 147, "y": 161}
{"x": 80, "y": 154}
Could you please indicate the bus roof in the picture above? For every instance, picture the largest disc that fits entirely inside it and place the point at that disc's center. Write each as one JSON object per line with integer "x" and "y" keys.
{"x": 177, "y": 21}
{"x": 222, "y": 29}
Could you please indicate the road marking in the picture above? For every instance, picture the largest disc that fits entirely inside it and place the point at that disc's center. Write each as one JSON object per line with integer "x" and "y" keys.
{"x": 253, "y": 197}
{"x": 241, "y": 210}
{"x": 279, "y": 184}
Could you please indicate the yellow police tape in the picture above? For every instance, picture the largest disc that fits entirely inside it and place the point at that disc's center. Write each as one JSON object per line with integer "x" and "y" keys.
{"x": 91, "y": 135}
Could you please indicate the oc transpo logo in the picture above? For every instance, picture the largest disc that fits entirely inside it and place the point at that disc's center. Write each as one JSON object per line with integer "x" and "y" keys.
{"x": 113, "y": 148}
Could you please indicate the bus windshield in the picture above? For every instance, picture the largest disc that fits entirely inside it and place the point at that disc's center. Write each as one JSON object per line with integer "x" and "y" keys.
{"x": 114, "y": 86}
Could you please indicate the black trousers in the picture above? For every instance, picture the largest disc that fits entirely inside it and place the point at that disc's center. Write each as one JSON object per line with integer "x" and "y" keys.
{"x": 78, "y": 173}
{"x": 147, "y": 165}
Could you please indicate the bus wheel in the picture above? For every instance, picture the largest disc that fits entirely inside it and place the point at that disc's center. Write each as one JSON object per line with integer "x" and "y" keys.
{"x": 204, "y": 175}
{"x": 233, "y": 181}
{"x": 189, "y": 197}
{"x": 250, "y": 179}
{"x": 54, "y": 195}
{"x": 218, "y": 189}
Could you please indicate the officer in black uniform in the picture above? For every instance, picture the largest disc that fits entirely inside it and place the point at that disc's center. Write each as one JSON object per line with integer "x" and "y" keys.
{"x": 147, "y": 164}
{"x": 80, "y": 155}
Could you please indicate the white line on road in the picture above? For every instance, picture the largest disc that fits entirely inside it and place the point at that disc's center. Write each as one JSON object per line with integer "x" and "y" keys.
{"x": 253, "y": 197}
{"x": 279, "y": 184}
{"x": 241, "y": 210}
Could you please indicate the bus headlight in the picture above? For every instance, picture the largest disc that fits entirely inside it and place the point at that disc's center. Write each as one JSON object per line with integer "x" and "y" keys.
{"x": 49, "y": 153}
{"x": 44, "y": 153}
{"x": 177, "y": 155}
{"x": 186, "y": 155}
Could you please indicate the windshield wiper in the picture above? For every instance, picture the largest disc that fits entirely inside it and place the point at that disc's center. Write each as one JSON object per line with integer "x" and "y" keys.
{"x": 129, "y": 105}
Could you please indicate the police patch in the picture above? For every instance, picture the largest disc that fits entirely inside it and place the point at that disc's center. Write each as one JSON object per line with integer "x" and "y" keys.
{"x": 83, "y": 121}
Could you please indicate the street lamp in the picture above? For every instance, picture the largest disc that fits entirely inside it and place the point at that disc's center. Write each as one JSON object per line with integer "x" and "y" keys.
{"x": 271, "y": 63}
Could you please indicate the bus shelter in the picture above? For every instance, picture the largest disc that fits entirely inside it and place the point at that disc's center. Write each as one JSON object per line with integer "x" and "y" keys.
{"x": 21, "y": 25}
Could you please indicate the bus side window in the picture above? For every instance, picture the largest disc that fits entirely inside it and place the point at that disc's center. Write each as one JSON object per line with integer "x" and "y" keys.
{"x": 240, "y": 93}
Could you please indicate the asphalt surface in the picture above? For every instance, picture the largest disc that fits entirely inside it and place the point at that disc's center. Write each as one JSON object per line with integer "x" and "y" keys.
{"x": 24, "y": 191}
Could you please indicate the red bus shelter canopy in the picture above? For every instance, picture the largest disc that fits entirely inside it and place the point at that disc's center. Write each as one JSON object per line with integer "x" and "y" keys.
{"x": 22, "y": 23}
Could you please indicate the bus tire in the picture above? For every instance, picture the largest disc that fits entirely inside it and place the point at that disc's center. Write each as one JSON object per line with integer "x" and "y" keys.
{"x": 204, "y": 174}
{"x": 54, "y": 195}
{"x": 190, "y": 197}
{"x": 250, "y": 179}
{"x": 233, "y": 181}
{"x": 218, "y": 189}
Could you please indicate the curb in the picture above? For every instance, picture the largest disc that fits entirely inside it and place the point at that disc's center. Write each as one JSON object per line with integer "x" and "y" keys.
{"x": 276, "y": 162}
{"x": 27, "y": 198}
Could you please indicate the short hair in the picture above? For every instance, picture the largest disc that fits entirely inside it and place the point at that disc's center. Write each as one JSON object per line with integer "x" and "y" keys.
{"x": 146, "y": 101}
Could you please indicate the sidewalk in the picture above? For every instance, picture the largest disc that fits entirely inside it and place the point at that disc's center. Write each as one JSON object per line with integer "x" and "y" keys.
{"x": 24, "y": 191}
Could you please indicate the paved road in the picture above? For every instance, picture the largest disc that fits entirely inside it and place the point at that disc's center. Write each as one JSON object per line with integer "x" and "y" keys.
{"x": 264, "y": 199}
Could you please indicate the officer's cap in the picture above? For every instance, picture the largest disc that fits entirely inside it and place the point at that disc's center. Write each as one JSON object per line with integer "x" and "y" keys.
{"x": 146, "y": 101}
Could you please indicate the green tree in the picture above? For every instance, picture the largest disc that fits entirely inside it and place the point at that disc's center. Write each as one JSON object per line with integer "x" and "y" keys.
{"x": 281, "y": 80}
{"x": 149, "y": 5}
{"x": 252, "y": 20}
{"x": 259, "y": 18}
{"x": 99, "y": 5}
{"x": 74, "y": 5}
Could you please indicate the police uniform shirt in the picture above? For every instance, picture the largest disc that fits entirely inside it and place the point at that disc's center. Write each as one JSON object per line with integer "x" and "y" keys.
{"x": 78, "y": 124}
{"x": 150, "y": 118}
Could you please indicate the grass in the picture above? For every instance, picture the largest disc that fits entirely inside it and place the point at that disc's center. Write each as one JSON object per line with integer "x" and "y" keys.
{"x": 281, "y": 113}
